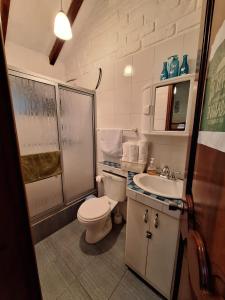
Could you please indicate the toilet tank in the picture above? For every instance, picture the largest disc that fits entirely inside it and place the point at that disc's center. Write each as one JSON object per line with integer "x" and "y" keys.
{"x": 114, "y": 186}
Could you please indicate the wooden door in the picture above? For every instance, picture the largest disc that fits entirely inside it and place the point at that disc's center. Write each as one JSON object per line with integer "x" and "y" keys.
{"x": 162, "y": 249}
{"x": 203, "y": 271}
{"x": 18, "y": 270}
{"x": 136, "y": 241}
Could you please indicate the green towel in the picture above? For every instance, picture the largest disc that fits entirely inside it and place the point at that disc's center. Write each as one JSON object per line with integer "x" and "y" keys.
{"x": 39, "y": 166}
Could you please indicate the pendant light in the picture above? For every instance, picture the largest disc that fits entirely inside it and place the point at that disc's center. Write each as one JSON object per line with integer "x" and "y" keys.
{"x": 62, "y": 27}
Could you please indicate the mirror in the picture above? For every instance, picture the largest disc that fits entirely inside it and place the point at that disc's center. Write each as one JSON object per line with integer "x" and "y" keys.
{"x": 171, "y": 102}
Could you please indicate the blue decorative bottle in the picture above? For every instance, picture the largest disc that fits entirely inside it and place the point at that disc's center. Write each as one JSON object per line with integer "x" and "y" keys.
{"x": 184, "y": 69}
{"x": 174, "y": 66}
{"x": 164, "y": 74}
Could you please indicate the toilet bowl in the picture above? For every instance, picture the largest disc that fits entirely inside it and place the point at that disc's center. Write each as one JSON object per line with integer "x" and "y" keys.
{"x": 95, "y": 213}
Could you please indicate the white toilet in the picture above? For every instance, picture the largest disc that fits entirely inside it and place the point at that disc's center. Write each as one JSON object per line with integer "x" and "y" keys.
{"x": 95, "y": 213}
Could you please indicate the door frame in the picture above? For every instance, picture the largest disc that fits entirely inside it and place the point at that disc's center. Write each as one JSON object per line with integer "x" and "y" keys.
{"x": 19, "y": 275}
{"x": 201, "y": 72}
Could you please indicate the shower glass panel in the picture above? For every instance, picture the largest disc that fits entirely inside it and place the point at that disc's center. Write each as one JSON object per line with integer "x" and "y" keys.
{"x": 77, "y": 143}
{"x": 35, "y": 109}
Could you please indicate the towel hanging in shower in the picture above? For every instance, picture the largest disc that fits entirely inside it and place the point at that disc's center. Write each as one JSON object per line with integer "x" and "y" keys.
{"x": 40, "y": 166}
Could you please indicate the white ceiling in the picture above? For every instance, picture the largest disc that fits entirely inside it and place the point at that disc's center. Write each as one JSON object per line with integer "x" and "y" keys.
{"x": 31, "y": 23}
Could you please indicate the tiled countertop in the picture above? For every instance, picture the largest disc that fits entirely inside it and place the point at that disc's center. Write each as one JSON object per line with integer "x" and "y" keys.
{"x": 157, "y": 202}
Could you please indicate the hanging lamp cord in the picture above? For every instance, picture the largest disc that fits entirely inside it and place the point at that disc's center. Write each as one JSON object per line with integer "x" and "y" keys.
{"x": 98, "y": 82}
{"x": 99, "y": 78}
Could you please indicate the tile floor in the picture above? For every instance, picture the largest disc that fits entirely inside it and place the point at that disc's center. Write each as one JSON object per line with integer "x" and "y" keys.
{"x": 70, "y": 269}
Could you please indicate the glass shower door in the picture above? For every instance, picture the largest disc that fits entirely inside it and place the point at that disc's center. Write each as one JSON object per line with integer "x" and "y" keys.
{"x": 77, "y": 136}
{"x": 35, "y": 109}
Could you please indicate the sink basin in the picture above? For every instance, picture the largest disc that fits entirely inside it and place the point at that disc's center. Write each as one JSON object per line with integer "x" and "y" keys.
{"x": 159, "y": 186}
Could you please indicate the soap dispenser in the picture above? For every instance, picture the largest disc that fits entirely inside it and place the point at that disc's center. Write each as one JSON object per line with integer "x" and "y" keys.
{"x": 164, "y": 74}
{"x": 184, "y": 69}
{"x": 151, "y": 167}
{"x": 174, "y": 66}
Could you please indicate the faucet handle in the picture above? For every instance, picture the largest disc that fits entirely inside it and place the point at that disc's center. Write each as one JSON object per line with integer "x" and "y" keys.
{"x": 165, "y": 171}
{"x": 173, "y": 175}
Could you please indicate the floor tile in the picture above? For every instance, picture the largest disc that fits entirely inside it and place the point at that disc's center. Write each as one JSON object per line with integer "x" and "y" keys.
{"x": 101, "y": 277}
{"x": 54, "y": 274}
{"x": 131, "y": 287}
{"x": 74, "y": 292}
{"x": 66, "y": 295}
{"x": 54, "y": 279}
{"x": 74, "y": 251}
{"x": 114, "y": 244}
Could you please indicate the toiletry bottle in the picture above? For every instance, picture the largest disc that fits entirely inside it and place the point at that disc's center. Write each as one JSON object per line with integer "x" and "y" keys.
{"x": 151, "y": 167}
{"x": 174, "y": 66}
{"x": 164, "y": 75}
{"x": 184, "y": 69}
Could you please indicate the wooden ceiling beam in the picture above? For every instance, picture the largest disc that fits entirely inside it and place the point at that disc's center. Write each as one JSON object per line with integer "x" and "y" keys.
{"x": 71, "y": 14}
{"x": 5, "y": 5}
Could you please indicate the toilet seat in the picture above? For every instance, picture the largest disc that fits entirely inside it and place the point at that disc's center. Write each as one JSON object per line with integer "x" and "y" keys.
{"x": 94, "y": 209}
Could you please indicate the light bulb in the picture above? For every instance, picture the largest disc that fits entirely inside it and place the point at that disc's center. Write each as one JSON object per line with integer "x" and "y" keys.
{"x": 62, "y": 28}
{"x": 128, "y": 71}
{"x": 175, "y": 90}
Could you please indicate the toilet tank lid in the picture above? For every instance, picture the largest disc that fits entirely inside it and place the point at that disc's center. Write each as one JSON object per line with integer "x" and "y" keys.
{"x": 114, "y": 177}
{"x": 94, "y": 208}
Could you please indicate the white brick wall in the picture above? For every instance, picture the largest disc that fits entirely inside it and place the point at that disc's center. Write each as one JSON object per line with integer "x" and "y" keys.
{"x": 141, "y": 33}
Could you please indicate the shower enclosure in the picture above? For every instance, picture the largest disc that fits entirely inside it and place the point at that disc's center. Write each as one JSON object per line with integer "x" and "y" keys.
{"x": 56, "y": 134}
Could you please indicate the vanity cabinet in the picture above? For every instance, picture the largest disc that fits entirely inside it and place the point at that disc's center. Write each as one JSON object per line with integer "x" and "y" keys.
{"x": 151, "y": 245}
{"x": 137, "y": 243}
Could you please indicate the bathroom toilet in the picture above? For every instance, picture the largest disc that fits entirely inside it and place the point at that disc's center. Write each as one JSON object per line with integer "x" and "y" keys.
{"x": 95, "y": 213}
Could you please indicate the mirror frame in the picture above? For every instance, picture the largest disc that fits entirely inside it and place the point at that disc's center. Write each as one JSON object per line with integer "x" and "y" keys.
{"x": 190, "y": 106}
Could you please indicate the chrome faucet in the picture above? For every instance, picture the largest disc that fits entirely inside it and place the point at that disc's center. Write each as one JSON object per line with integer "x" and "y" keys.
{"x": 165, "y": 172}
{"x": 168, "y": 174}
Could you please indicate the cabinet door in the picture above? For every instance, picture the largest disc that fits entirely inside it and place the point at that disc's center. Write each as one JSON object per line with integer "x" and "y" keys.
{"x": 162, "y": 251}
{"x": 136, "y": 241}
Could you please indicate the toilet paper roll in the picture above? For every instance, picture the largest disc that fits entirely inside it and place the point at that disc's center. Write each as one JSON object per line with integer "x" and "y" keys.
{"x": 99, "y": 178}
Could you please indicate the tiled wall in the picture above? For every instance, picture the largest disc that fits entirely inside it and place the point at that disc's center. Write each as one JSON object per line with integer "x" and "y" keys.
{"x": 141, "y": 33}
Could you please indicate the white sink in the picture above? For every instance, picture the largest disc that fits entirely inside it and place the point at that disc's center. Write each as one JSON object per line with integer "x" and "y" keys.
{"x": 159, "y": 186}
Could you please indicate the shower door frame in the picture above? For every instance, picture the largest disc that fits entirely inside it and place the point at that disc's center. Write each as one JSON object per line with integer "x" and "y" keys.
{"x": 91, "y": 93}
{"x": 22, "y": 73}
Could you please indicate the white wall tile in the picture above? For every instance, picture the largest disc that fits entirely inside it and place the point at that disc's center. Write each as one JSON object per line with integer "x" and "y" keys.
{"x": 105, "y": 102}
{"x": 143, "y": 63}
{"x": 190, "y": 47}
{"x": 122, "y": 121}
{"x": 135, "y": 121}
{"x": 123, "y": 101}
{"x": 136, "y": 97}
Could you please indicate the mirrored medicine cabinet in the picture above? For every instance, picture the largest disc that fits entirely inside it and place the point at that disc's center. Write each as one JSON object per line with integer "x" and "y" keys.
{"x": 171, "y": 106}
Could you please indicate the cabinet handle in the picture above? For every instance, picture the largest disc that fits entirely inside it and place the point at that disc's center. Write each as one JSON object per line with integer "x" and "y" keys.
{"x": 156, "y": 221}
{"x": 148, "y": 234}
{"x": 145, "y": 218}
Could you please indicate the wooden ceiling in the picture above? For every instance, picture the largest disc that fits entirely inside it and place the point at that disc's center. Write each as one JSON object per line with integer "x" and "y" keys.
{"x": 71, "y": 14}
